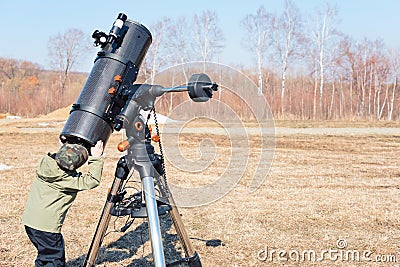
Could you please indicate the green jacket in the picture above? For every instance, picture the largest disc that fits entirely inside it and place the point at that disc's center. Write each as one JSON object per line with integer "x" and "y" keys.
{"x": 53, "y": 192}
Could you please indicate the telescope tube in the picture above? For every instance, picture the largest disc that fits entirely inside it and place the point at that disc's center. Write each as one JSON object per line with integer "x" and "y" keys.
{"x": 89, "y": 121}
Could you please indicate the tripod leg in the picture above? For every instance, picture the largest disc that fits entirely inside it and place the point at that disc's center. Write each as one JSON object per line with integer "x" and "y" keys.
{"x": 101, "y": 226}
{"x": 191, "y": 254}
{"x": 154, "y": 221}
{"x": 194, "y": 259}
{"x": 121, "y": 174}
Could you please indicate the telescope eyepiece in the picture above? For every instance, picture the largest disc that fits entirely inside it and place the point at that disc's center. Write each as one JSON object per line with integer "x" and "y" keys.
{"x": 116, "y": 28}
{"x": 122, "y": 17}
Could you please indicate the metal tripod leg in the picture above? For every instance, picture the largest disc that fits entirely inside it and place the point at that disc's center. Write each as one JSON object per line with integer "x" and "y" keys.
{"x": 154, "y": 222}
{"x": 144, "y": 167}
{"x": 183, "y": 236}
{"x": 101, "y": 226}
{"x": 121, "y": 174}
{"x": 193, "y": 259}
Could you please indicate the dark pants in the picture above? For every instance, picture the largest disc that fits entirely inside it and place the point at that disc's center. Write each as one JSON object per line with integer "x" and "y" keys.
{"x": 50, "y": 247}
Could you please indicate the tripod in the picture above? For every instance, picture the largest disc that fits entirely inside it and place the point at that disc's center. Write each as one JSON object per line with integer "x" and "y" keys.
{"x": 149, "y": 165}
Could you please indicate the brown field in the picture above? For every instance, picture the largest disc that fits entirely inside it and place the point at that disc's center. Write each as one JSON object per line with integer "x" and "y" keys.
{"x": 321, "y": 188}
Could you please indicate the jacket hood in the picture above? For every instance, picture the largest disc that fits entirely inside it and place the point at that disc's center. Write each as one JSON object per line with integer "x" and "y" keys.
{"x": 48, "y": 170}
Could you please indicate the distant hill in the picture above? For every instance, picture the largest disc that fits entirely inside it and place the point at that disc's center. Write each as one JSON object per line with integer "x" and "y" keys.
{"x": 59, "y": 114}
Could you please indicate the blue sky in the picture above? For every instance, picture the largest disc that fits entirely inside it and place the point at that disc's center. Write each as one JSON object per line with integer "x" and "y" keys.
{"x": 27, "y": 25}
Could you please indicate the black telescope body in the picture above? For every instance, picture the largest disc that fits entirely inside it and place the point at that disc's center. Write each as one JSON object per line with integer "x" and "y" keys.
{"x": 123, "y": 50}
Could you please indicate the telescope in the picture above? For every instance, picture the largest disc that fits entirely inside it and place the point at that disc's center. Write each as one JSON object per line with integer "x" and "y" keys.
{"x": 110, "y": 101}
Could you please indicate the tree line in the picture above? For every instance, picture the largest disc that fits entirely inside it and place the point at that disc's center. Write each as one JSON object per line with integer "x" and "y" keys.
{"x": 301, "y": 63}
{"x": 316, "y": 71}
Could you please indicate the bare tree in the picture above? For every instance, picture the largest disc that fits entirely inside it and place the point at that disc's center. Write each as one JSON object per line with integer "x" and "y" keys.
{"x": 179, "y": 48}
{"x": 286, "y": 38}
{"x": 179, "y": 43}
{"x": 257, "y": 39}
{"x": 158, "y": 55}
{"x": 347, "y": 60}
{"x": 324, "y": 42}
{"x": 65, "y": 51}
{"x": 379, "y": 79}
{"x": 395, "y": 64}
{"x": 208, "y": 36}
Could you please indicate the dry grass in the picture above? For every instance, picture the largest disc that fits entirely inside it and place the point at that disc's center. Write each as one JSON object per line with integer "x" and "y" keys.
{"x": 320, "y": 188}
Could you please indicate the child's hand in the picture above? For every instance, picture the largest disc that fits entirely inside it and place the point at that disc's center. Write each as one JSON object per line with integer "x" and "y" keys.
{"x": 97, "y": 150}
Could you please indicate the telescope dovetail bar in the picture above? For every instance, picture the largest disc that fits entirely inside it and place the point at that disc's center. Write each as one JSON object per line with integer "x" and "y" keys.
{"x": 111, "y": 101}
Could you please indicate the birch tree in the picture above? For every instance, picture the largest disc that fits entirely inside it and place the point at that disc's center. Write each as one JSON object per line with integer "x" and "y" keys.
{"x": 179, "y": 49}
{"x": 208, "y": 36}
{"x": 286, "y": 38}
{"x": 324, "y": 38}
{"x": 395, "y": 65}
{"x": 257, "y": 39}
{"x": 158, "y": 55}
{"x": 179, "y": 43}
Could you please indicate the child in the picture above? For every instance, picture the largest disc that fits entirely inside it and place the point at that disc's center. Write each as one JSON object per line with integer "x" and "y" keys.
{"x": 52, "y": 193}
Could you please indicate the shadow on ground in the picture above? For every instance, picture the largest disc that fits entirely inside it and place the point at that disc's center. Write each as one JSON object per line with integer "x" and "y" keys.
{"x": 131, "y": 244}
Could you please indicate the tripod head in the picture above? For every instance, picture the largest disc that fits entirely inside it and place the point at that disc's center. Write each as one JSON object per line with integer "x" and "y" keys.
{"x": 200, "y": 89}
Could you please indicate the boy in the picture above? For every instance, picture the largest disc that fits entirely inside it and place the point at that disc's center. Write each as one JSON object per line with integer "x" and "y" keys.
{"x": 52, "y": 193}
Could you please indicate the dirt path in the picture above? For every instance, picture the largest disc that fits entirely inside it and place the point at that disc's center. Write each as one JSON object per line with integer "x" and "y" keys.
{"x": 290, "y": 131}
